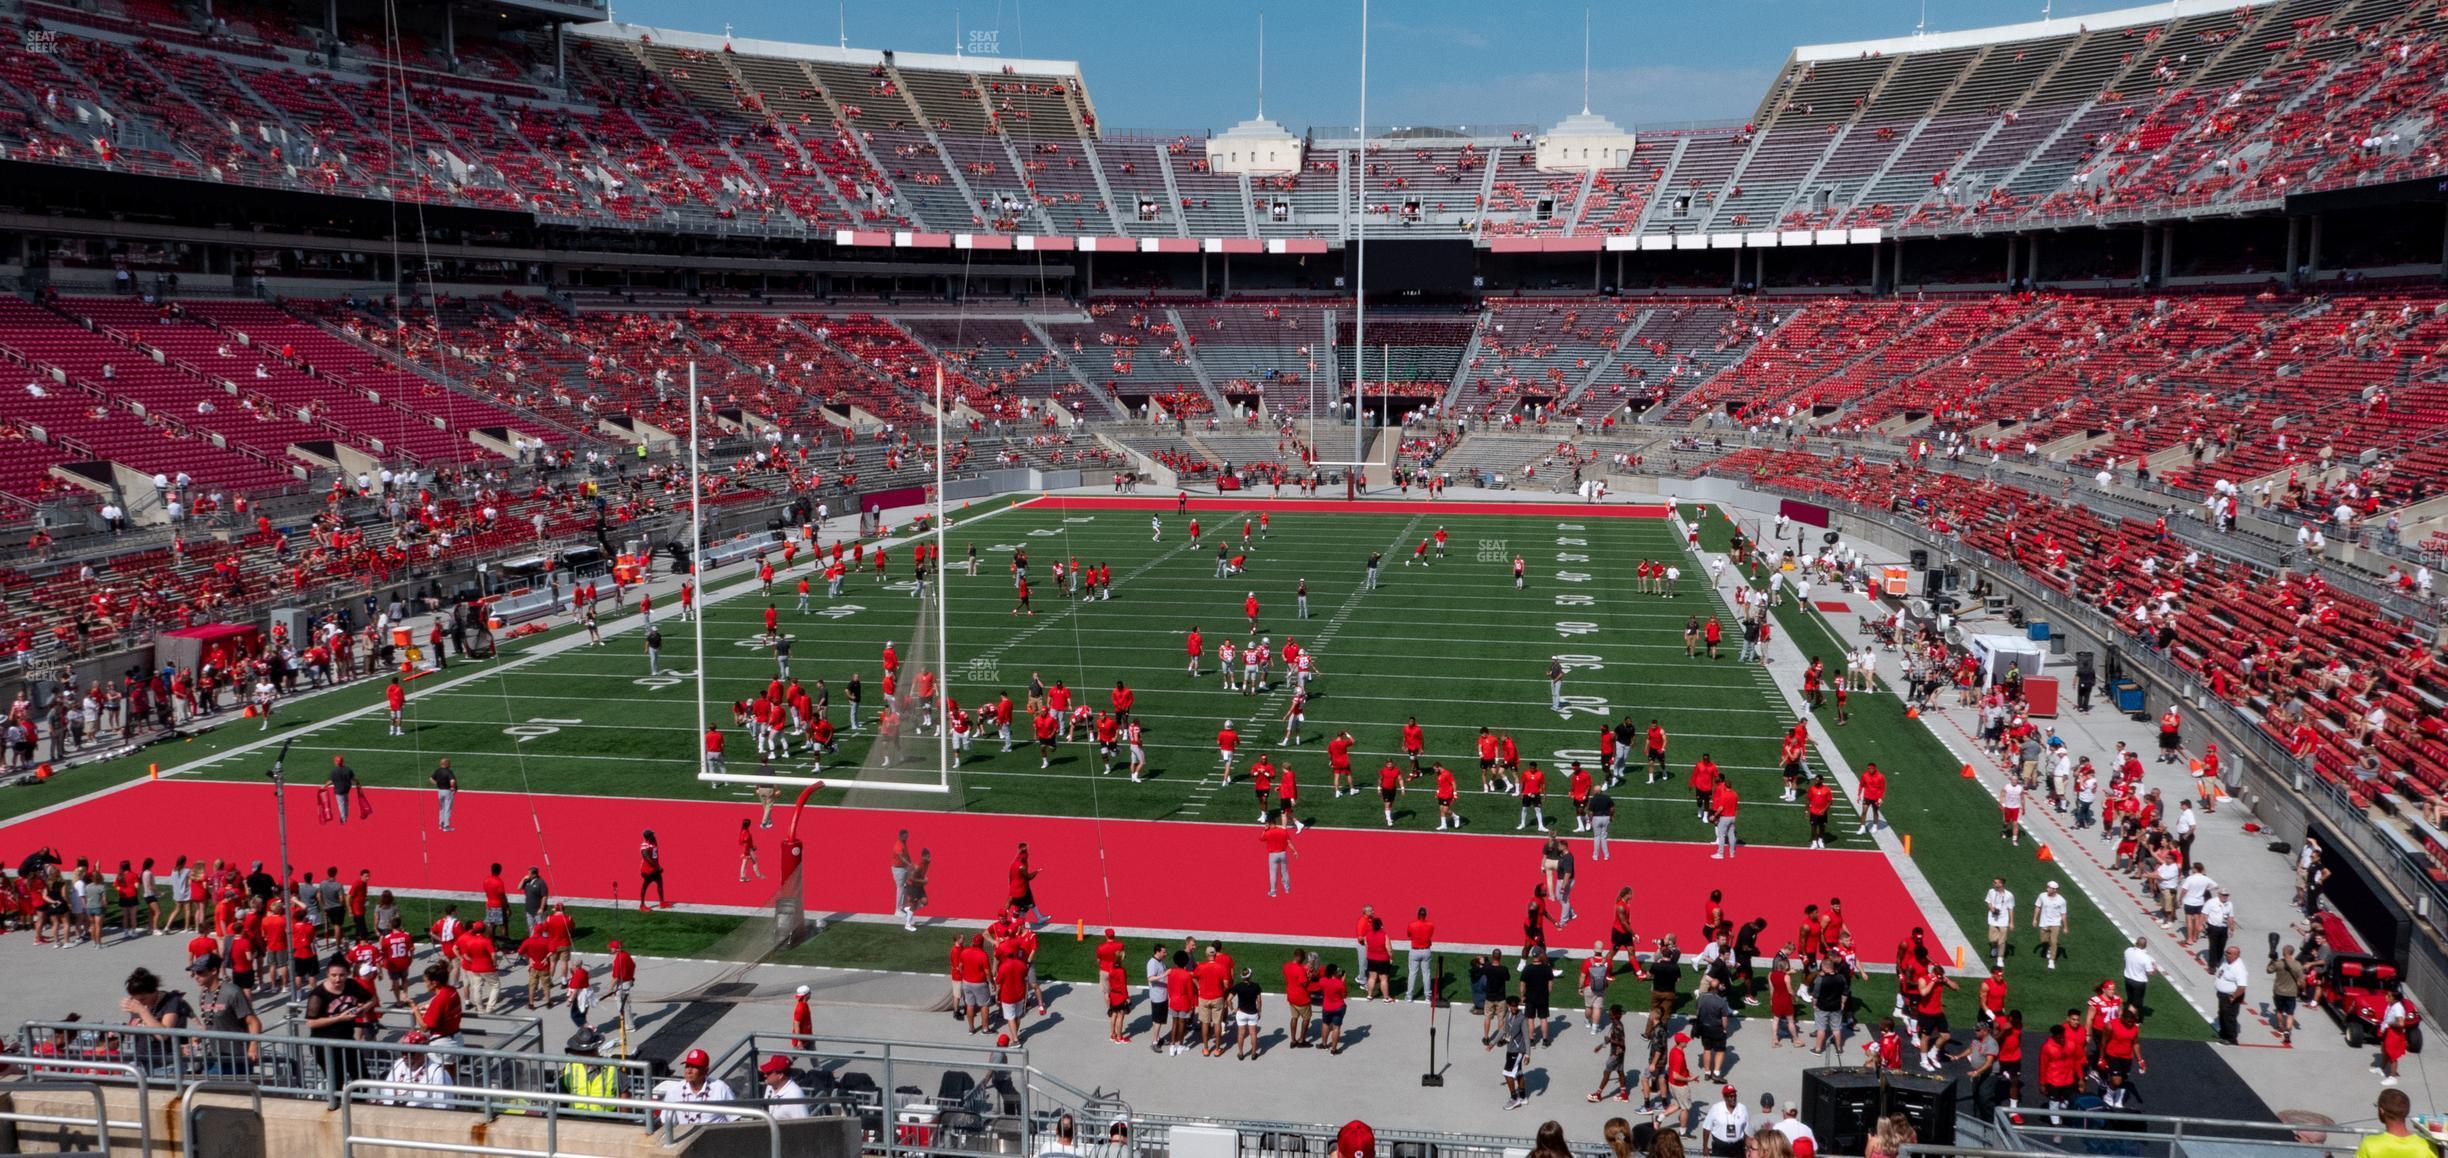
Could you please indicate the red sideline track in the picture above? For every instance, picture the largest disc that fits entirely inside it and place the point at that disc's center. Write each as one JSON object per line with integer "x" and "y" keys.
{"x": 1209, "y": 878}
{"x": 1200, "y": 504}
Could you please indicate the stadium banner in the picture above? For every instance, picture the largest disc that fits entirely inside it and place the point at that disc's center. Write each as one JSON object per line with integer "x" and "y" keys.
{"x": 1807, "y": 514}
{"x": 894, "y": 498}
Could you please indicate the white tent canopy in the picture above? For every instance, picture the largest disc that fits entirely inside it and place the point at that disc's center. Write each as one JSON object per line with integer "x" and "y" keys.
{"x": 1999, "y": 652}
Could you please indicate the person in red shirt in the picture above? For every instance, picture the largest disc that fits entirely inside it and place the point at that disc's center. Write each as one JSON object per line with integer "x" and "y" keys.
{"x": 1490, "y": 779}
{"x": 482, "y": 972}
{"x": 1704, "y": 785}
{"x": 1873, "y": 798}
{"x": 2061, "y": 1062}
{"x": 1117, "y": 996}
{"x": 1389, "y": 786}
{"x": 2121, "y": 1054}
{"x": 1211, "y": 978}
{"x": 440, "y": 1016}
{"x": 1249, "y": 609}
{"x": 1299, "y": 983}
{"x": 1023, "y": 888}
{"x": 1048, "y": 727}
{"x": 1338, "y": 764}
{"x": 1723, "y": 804}
{"x": 1287, "y": 798}
{"x": 1123, "y": 700}
{"x": 1712, "y": 634}
{"x": 650, "y": 870}
{"x": 394, "y": 951}
{"x": 395, "y": 698}
{"x": 1228, "y": 742}
{"x": 1579, "y": 789}
{"x": 1655, "y": 745}
{"x": 748, "y": 850}
{"x": 1445, "y": 792}
{"x": 1533, "y": 795}
{"x": 1197, "y": 647}
{"x": 1414, "y": 741}
{"x": 973, "y": 967}
{"x": 1011, "y": 980}
{"x": 1816, "y": 801}
{"x": 497, "y": 904}
{"x": 1277, "y": 840}
{"x": 536, "y": 950}
{"x": 1331, "y": 995}
{"x": 803, "y": 1020}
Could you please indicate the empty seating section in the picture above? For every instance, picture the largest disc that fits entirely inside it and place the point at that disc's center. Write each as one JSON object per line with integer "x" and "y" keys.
{"x": 885, "y": 373}
{"x": 1414, "y": 348}
{"x": 1544, "y": 349}
{"x": 1213, "y": 204}
{"x": 1443, "y": 180}
{"x": 1135, "y": 170}
{"x": 1273, "y": 349}
{"x": 1696, "y": 181}
{"x": 1002, "y": 356}
{"x": 1617, "y": 197}
{"x": 1131, "y": 354}
{"x": 1806, "y": 114}
{"x": 118, "y": 405}
{"x": 1058, "y": 176}
{"x": 1686, "y": 341}
{"x": 1520, "y": 192}
{"x": 1310, "y": 203}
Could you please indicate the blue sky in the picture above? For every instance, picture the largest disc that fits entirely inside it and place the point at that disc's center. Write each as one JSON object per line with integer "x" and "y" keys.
{"x": 1166, "y": 64}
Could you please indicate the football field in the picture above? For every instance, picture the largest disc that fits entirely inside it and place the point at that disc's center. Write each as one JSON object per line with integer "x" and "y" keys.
{"x": 1449, "y": 641}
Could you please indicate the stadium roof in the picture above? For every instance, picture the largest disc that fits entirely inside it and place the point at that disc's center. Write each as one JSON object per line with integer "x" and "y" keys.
{"x": 2029, "y": 30}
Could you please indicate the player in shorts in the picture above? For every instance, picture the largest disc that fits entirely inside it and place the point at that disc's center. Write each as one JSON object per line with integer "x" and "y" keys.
{"x": 1138, "y": 753}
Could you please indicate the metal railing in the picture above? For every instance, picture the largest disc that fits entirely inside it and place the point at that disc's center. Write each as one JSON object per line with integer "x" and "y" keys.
{"x": 915, "y": 1098}
{"x": 550, "y": 1107}
{"x": 188, "y": 1105}
{"x": 2090, "y": 1128}
{"x": 282, "y": 1065}
{"x": 1152, "y": 1135}
{"x": 86, "y": 1076}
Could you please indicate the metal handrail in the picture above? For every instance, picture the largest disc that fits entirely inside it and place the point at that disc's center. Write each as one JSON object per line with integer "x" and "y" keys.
{"x": 287, "y": 1065}
{"x": 142, "y": 1125}
{"x": 552, "y": 1104}
{"x": 100, "y": 1121}
{"x": 188, "y": 1106}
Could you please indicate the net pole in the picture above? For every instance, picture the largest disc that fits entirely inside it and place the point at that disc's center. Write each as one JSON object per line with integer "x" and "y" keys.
{"x": 696, "y": 543}
{"x": 1360, "y": 269}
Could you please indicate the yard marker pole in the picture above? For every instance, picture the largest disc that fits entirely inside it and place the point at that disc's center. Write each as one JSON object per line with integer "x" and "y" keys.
{"x": 696, "y": 544}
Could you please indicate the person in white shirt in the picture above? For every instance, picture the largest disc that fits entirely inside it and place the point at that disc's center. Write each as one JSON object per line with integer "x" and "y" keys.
{"x": 2192, "y": 894}
{"x": 2218, "y": 923}
{"x": 789, "y": 1100}
{"x": 2138, "y": 970}
{"x": 1796, "y": 1131}
{"x": 2049, "y": 916}
{"x": 692, "y": 1086}
{"x": 2001, "y": 902}
{"x": 1727, "y": 1124}
{"x": 2229, "y": 979}
{"x": 415, "y": 1068}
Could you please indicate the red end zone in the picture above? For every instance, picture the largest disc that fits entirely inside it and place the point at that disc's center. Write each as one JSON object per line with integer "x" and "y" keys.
{"x": 1201, "y": 503}
{"x": 1145, "y": 874}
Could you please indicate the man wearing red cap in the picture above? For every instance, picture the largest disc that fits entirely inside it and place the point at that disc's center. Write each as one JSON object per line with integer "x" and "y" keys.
{"x": 624, "y": 977}
{"x": 789, "y": 1100}
{"x": 692, "y": 1086}
{"x": 1355, "y": 1140}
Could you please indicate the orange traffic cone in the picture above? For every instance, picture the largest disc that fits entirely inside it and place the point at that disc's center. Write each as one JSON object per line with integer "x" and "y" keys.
{"x": 2045, "y": 854}
{"x": 1912, "y": 713}
{"x": 1969, "y": 774}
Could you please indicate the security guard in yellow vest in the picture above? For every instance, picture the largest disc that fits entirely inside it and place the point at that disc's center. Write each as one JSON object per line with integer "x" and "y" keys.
{"x": 583, "y": 1080}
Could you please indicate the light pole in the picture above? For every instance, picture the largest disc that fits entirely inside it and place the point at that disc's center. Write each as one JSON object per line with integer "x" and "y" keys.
{"x": 280, "y": 814}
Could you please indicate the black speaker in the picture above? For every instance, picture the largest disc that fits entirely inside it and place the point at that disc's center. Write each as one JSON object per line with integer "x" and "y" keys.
{"x": 2116, "y": 664}
{"x": 1919, "y": 559}
{"x": 2086, "y": 666}
{"x": 1843, "y": 1106}
{"x": 1933, "y": 582}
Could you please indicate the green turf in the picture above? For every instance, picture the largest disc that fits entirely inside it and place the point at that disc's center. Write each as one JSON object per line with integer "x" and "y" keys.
{"x": 1451, "y": 642}
{"x": 1956, "y": 842}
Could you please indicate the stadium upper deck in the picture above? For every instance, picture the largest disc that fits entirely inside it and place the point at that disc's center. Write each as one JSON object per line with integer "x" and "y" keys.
{"x": 2171, "y": 110}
